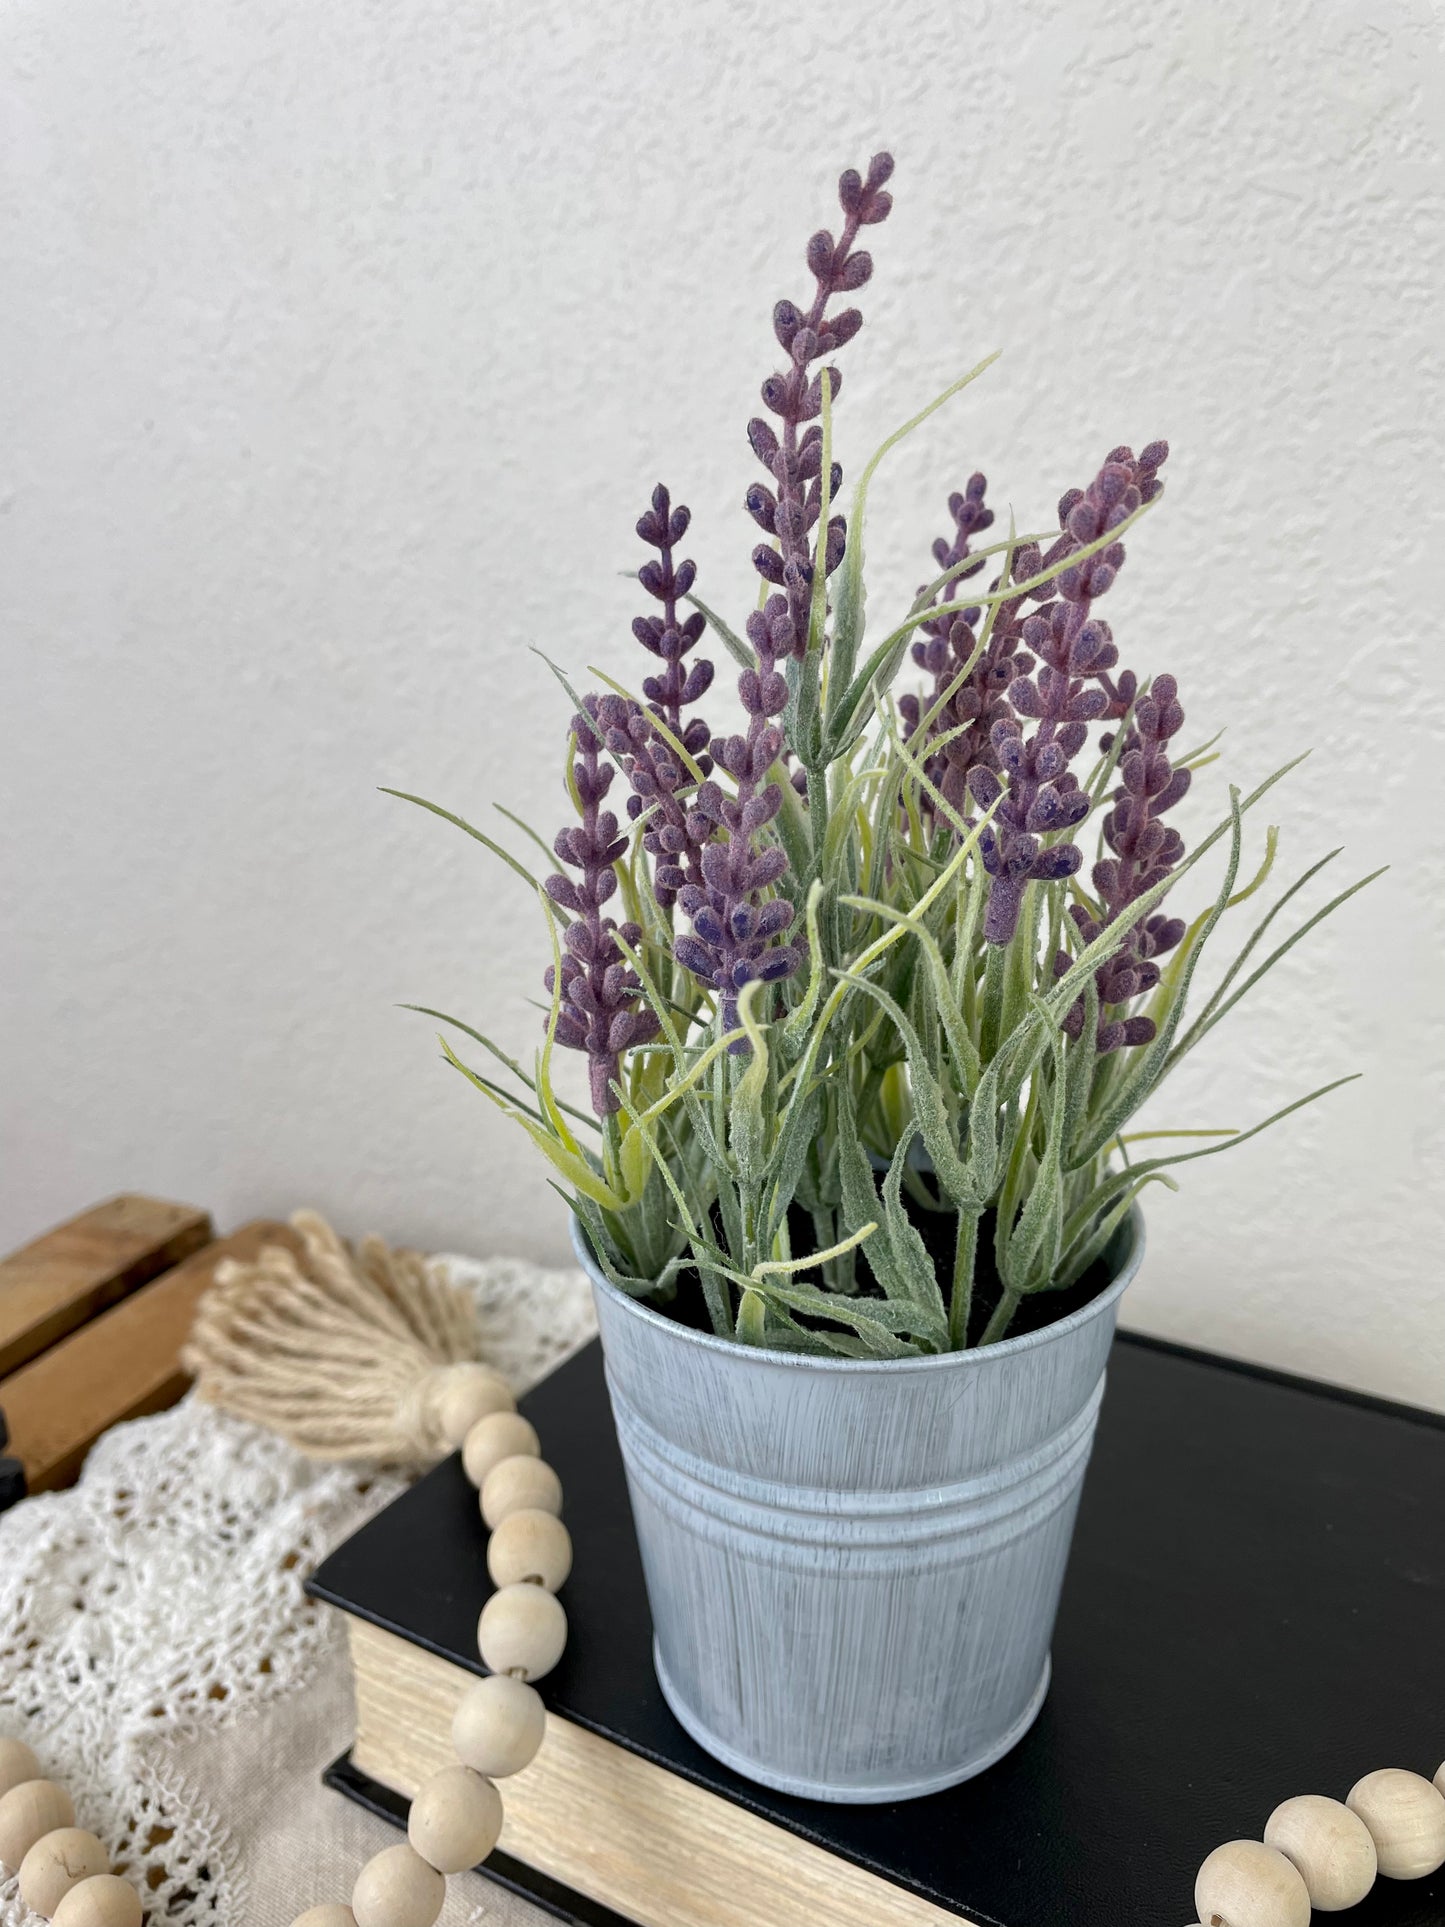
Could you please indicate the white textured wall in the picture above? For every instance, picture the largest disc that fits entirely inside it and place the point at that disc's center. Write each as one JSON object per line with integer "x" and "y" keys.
{"x": 340, "y": 346}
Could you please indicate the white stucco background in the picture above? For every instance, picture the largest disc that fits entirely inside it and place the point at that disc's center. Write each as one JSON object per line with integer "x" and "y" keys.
{"x": 341, "y": 345}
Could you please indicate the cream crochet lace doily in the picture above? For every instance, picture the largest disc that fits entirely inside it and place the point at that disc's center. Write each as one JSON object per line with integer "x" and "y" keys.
{"x": 158, "y": 1652}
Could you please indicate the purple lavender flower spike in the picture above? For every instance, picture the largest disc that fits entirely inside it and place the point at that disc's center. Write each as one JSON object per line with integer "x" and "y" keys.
{"x": 1144, "y": 851}
{"x": 734, "y": 931}
{"x": 790, "y": 511}
{"x": 676, "y": 831}
{"x": 1071, "y": 689}
{"x": 662, "y": 527}
{"x": 600, "y": 1009}
{"x": 947, "y": 642}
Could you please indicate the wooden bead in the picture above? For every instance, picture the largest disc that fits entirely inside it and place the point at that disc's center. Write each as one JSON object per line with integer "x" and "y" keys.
{"x": 57, "y": 1862}
{"x": 330, "y": 1913}
{"x": 17, "y": 1764}
{"x": 520, "y": 1485}
{"x": 530, "y": 1545}
{"x": 1406, "y": 1818}
{"x": 522, "y": 1630}
{"x": 396, "y": 1888}
{"x": 498, "y": 1436}
{"x": 456, "y": 1819}
{"x": 1330, "y": 1846}
{"x": 105, "y": 1900}
{"x": 27, "y": 1813}
{"x": 1247, "y": 1884}
{"x": 498, "y": 1726}
{"x": 466, "y": 1393}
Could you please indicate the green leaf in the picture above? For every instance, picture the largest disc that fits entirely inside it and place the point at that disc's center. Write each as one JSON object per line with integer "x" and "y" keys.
{"x": 877, "y": 1322}
{"x": 425, "y": 1010}
{"x": 1219, "y": 1006}
{"x": 796, "y": 1139}
{"x": 860, "y": 1196}
{"x": 1035, "y": 1243}
{"x": 965, "y": 1051}
{"x": 752, "y": 1319}
{"x": 791, "y": 823}
{"x": 684, "y": 1074}
{"x": 799, "y": 1020}
{"x": 528, "y": 831}
{"x": 930, "y": 1107}
{"x": 748, "y": 1125}
{"x": 1149, "y": 1062}
{"x": 783, "y": 1267}
{"x": 741, "y": 653}
{"x": 909, "y": 1263}
{"x": 1059, "y": 999}
{"x": 1096, "y": 1242}
{"x": 1117, "y": 1180}
{"x": 848, "y": 618}
{"x": 571, "y": 1164}
{"x": 481, "y": 837}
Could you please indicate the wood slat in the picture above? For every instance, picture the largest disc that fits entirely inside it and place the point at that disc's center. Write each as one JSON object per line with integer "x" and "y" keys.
{"x": 71, "y": 1274}
{"x": 120, "y": 1365}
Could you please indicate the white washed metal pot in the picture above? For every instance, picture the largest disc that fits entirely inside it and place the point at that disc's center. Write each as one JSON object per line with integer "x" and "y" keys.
{"x": 854, "y": 1566}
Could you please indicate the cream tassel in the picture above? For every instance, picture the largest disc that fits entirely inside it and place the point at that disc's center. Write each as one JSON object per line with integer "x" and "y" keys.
{"x": 348, "y": 1354}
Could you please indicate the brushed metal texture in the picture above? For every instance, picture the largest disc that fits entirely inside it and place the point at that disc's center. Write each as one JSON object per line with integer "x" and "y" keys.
{"x": 854, "y": 1565}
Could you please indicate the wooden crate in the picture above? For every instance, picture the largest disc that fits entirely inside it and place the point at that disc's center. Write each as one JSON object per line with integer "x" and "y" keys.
{"x": 92, "y": 1319}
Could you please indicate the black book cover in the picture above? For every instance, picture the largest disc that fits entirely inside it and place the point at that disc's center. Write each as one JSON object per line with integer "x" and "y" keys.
{"x": 1255, "y": 1608}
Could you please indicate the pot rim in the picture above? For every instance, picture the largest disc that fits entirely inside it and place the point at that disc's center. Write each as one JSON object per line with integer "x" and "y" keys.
{"x": 974, "y": 1356}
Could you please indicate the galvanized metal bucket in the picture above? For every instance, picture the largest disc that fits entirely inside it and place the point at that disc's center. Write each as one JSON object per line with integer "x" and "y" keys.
{"x": 854, "y": 1566}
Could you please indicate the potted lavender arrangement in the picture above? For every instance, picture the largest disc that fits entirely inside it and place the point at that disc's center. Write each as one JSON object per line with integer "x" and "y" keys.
{"x": 865, "y": 1029}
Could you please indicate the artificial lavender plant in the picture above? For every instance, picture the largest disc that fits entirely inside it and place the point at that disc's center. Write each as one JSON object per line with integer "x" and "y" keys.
{"x": 864, "y": 1045}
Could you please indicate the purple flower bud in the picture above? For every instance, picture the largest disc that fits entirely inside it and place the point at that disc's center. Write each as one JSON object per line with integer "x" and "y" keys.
{"x": 843, "y": 326}
{"x": 764, "y": 441}
{"x": 1062, "y": 860}
{"x": 762, "y": 504}
{"x": 820, "y": 255}
{"x": 777, "y": 964}
{"x": 696, "y": 686}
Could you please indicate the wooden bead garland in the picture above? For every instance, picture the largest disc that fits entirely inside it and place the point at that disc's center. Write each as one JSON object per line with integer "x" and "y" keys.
{"x": 456, "y": 1815}
{"x": 105, "y": 1900}
{"x": 466, "y": 1394}
{"x": 57, "y": 1862}
{"x": 27, "y": 1813}
{"x": 530, "y": 1547}
{"x": 522, "y": 1630}
{"x": 17, "y": 1765}
{"x": 1406, "y": 1818}
{"x": 396, "y": 1888}
{"x": 520, "y": 1485}
{"x": 501, "y": 1435}
{"x": 1325, "y": 1854}
{"x": 498, "y": 1726}
{"x": 456, "y": 1819}
{"x": 1249, "y": 1884}
{"x": 63, "y": 1870}
{"x": 1331, "y": 1847}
